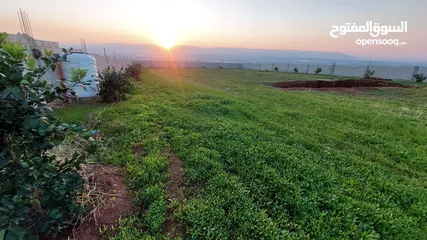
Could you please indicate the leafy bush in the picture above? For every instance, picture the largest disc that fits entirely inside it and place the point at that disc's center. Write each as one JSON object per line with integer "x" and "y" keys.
{"x": 276, "y": 69}
{"x": 369, "y": 73}
{"x": 419, "y": 77}
{"x": 318, "y": 70}
{"x": 134, "y": 70}
{"x": 114, "y": 85}
{"x": 38, "y": 192}
{"x": 295, "y": 70}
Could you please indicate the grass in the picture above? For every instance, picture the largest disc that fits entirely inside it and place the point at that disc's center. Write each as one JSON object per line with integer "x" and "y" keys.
{"x": 261, "y": 162}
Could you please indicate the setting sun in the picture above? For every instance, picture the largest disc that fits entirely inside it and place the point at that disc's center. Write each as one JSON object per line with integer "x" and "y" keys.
{"x": 166, "y": 40}
{"x": 178, "y": 22}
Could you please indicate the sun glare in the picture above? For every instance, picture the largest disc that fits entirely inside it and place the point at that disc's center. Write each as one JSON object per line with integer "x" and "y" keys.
{"x": 170, "y": 23}
{"x": 166, "y": 39}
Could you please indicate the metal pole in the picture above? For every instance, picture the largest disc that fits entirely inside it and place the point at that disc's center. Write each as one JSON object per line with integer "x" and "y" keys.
{"x": 20, "y": 23}
{"x": 23, "y": 22}
{"x": 29, "y": 25}
{"x": 115, "y": 60}
{"x": 332, "y": 68}
{"x": 84, "y": 44}
{"x": 106, "y": 58}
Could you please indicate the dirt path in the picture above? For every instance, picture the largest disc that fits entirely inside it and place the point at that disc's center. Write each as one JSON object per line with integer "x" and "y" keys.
{"x": 116, "y": 201}
{"x": 174, "y": 192}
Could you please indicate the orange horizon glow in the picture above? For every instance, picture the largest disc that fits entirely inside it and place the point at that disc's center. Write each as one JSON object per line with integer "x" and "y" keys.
{"x": 208, "y": 24}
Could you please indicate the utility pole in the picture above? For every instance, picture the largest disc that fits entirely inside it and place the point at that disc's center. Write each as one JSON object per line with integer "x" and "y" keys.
{"x": 308, "y": 65}
{"x": 115, "y": 60}
{"x": 106, "y": 58}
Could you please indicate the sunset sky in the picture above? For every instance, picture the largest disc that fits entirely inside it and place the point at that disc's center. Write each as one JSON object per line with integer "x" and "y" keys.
{"x": 268, "y": 24}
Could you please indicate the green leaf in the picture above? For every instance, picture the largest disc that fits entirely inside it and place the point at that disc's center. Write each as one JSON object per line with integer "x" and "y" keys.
{"x": 3, "y": 37}
{"x": 33, "y": 96}
{"x": 3, "y": 162}
{"x": 32, "y": 122}
{"x": 48, "y": 52}
{"x": 78, "y": 74}
{"x": 15, "y": 50}
{"x": 15, "y": 233}
{"x": 44, "y": 129}
{"x": 31, "y": 63}
{"x": 17, "y": 93}
{"x": 2, "y": 234}
{"x": 6, "y": 92}
{"x": 24, "y": 164}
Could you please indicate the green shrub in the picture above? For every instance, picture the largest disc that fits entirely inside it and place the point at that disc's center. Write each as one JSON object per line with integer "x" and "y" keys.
{"x": 276, "y": 69}
{"x": 295, "y": 70}
{"x": 369, "y": 73}
{"x": 419, "y": 77}
{"x": 114, "y": 85}
{"x": 134, "y": 70}
{"x": 38, "y": 192}
{"x": 318, "y": 70}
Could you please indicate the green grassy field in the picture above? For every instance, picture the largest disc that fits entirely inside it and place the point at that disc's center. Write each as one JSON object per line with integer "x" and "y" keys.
{"x": 263, "y": 163}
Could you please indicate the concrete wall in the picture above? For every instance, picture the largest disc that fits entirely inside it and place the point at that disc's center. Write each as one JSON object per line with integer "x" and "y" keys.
{"x": 31, "y": 43}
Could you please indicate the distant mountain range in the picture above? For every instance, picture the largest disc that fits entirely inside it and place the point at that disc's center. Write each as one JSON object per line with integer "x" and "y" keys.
{"x": 192, "y": 53}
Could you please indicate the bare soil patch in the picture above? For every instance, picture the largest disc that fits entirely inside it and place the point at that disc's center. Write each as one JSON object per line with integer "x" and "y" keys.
{"x": 107, "y": 195}
{"x": 174, "y": 192}
{"x": 361, "y": 84}
{"x": 57, "y": 103}
{"x": 137, "y": 149}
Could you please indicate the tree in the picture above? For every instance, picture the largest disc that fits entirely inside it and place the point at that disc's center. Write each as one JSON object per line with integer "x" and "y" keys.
{"x": 369, "y": 73}
{"x": 419, "y": 77}
{"x": 295, "y": 70}
{"x": 318, "y": 70}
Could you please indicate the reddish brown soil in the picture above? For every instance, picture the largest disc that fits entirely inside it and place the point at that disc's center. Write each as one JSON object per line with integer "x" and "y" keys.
{"x": 138, "y": 150}
{"x": 174, "y": 192}
{"x": 350, "y": 83}
{"x": 57, "y": 103}
{"x": 337, "y": 89}
{"x": 112, "y": 199}
{"x": 376, "y": 78}
{"x": 118, "y": 202}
